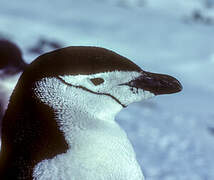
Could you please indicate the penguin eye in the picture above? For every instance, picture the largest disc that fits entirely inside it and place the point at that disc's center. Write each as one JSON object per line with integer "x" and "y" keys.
{"x": 97, "y": 81}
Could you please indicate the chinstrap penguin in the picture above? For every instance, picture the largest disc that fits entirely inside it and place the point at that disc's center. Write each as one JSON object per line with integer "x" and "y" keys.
{"x": 11, "y": 66}
{"x": 60, "y": 120}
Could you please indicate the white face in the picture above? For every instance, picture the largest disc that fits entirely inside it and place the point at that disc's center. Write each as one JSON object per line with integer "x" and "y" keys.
{"x": 96, "y": 91}
{"x": 110, "y": 83}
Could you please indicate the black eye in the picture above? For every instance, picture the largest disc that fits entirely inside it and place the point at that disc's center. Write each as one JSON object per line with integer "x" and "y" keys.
{"x": 97, "y": 81}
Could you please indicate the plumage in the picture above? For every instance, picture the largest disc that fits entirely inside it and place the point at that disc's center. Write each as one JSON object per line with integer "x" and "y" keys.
{"x": 60, "y": 120}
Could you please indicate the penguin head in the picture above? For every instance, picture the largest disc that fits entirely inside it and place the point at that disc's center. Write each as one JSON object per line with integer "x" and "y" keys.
{"x": 68, "y": 88}
{"x": 93, "y": 78}
{"x": 58, "y": 93}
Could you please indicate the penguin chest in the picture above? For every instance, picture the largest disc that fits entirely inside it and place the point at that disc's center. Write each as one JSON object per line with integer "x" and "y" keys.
{"x": 99, "y": 157}
{"x": 109, "y": 156}
{"x": 111, "y": 162}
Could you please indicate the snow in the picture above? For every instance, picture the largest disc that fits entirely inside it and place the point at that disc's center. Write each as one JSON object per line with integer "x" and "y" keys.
{"x": 172, "y": 134}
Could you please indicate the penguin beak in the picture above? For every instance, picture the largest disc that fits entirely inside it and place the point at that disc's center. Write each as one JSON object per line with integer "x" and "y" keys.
{"x": 156, "y": 83}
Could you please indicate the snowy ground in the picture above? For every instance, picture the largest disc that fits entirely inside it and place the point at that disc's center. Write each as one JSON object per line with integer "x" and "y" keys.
{"x": 173, "y": 135}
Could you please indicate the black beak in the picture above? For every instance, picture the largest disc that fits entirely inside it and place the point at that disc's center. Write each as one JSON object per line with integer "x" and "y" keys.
{"x": 156, "y": 83}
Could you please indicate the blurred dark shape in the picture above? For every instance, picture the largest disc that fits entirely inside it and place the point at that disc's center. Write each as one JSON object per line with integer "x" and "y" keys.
{"x": 211, "y": 130}
{"x": 197, "y": 16}
{"x": 43, "y": 44}
{"x": 209, "y": 3}
{"x": 1, "y": 110}
{"x": 11, "y": 61}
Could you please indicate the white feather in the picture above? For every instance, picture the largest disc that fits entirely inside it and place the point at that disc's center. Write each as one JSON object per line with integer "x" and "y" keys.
{"x": 98, "y": 148}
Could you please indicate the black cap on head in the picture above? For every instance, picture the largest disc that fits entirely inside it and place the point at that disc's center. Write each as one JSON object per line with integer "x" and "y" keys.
{"x": 85, "y": 60}
{"x": 79, "y": 60}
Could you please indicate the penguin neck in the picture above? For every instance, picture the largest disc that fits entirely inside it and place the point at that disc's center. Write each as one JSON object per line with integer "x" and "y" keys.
{"x": 82, "y": 117}
{"x": 93, "y": 141}
{"x": 45, "y": 132}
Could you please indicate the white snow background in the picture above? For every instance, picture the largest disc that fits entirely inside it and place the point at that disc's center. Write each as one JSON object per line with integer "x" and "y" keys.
{"x": 173, "y": 135}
